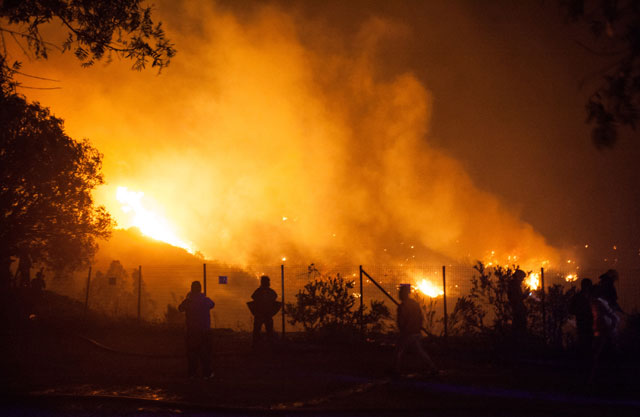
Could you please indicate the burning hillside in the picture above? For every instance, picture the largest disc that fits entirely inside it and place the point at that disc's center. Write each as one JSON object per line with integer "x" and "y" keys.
{"x": 269, "y": 138}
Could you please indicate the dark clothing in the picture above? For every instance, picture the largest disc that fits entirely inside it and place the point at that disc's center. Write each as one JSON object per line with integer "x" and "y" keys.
{"x": 518, "y": 309}
{"x": 265, "y": 299}
{"x": 410, "y": 324}
{"x": 199, "y": 351}
{"x": 409, "y": 318}
{"x": 196, "y": 308}
{"x": 198, "y": 338}
{"x": 264, "y": 307}
{"x": 606, "y": 290}
{"x": 580, "y": 307}
{"x": 258, "y": 321}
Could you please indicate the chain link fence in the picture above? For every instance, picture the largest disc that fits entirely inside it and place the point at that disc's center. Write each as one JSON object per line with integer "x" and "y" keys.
{"x": 153, "y": 293}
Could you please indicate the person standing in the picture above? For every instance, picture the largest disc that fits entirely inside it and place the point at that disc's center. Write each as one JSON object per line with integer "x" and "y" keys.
{"x": 605, "y": 322}
{"x": 264, "y": 307}
{"x": 196, "y": 307}
{"x": 518, "y": 310}
{"x": 410, "y": 324}
{"x": 580, "y": 307}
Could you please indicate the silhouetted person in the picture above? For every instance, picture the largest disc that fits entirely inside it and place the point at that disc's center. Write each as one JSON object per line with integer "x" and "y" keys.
{"x": 607, "y": 289}
{"x": 196, "y": 307}
{"x": 38, "y": 284}
{"x": 518, "y": 309}
{"x": 580, "y": 307}
{"x": 264, "y": 307}
{"x": 410, "y": 324}
{"x": 605, "y": 322}
{"x": 23, "y": 273}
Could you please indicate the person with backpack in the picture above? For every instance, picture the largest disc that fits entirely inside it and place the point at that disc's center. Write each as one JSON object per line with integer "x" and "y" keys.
{"x": 196, "y": 307}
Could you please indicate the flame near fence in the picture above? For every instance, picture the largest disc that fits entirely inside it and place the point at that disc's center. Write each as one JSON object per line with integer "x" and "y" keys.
{"x": 152, "y": 293}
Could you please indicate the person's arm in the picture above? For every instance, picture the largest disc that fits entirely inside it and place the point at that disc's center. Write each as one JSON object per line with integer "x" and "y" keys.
{"x": 183, "y": 305}
{"x": 401, "y": 319}
{"x": 210, "y": 303}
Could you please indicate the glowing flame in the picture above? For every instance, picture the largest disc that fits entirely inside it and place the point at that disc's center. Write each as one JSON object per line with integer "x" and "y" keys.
{"x": 533, "y": 280}
{"x": 149, "y": 223}
{"x": 429, "y": 289}
{"x": 571, "y": 277}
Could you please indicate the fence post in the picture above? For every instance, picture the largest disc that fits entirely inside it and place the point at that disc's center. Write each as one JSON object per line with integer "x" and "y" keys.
{"x": 444, "y": 298}
{"x": 361, "y": 303}
{"x": 204, "y": 278}
{"x": 139, "y": 289}
{"x": 544, "y": 307}
{"x": 282, "y": 284}
{"x": 86, "y": 298}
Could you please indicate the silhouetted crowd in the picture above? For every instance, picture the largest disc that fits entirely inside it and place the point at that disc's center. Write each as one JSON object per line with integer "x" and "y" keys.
{"x": 595, "y": 308}
{"x": 598, "y": 315}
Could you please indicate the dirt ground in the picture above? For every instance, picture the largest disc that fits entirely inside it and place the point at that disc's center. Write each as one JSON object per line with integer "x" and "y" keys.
{"x": 69, "y": 366}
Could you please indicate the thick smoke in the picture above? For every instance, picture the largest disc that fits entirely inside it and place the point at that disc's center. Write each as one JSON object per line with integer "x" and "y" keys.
{"x": 270, "y": 136}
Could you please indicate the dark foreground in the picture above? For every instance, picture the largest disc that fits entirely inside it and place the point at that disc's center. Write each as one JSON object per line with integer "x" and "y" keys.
{"x": 64, "y": 366}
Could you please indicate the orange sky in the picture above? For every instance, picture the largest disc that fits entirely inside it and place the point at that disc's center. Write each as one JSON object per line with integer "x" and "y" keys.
{"x": 275, "y": 133}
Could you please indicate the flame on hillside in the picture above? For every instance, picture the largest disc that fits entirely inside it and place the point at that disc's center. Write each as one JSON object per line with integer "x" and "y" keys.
{"x": 271, "y": 137}
{"x": 150, "y": 224}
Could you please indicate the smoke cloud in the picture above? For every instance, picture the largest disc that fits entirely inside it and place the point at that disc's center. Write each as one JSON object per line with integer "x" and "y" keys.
{"x": 272, "y": 136}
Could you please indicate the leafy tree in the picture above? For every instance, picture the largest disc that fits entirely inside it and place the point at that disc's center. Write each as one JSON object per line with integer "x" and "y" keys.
{"x": 467, "y": 317}
{"x": 113, "y": 292}
{"x": 46, "y": 207}
{"x": 615, "y": 26}
{"x": 46, "y": 180}
{"x": 557, "y": 300}
{"x": 327, "y": 305}
{"x": 490, "y": 288}
{"x": 94, "y": 30}
{"x": 428, "y": 306}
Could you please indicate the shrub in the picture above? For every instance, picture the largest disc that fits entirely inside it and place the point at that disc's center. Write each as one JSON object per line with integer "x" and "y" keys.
{"x": 557, "y": 302}
{"x": 327, "y": 305}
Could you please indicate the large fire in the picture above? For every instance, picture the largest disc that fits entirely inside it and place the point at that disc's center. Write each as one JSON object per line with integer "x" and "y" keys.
{"x": 267, "y": 139}
{"x": 149, "y": 223}
{"x": 429, "y": 289}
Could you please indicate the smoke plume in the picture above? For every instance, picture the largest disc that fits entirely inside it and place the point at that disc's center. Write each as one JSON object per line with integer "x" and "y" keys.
{"x": 272, "y": 136}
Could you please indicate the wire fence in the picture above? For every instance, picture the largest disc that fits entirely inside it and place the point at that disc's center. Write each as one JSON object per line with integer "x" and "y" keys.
{"x": 153, "y": 293}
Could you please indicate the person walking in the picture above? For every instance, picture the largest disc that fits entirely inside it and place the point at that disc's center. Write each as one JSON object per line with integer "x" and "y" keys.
{"x": 196, "y": 307}
{"x": 409, "y": 321}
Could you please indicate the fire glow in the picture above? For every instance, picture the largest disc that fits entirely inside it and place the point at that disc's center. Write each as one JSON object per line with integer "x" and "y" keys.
{"x": 270, "y": 153}
{"x": 149, "y": 223}
{"x": 429, "y": 289}
{"x": 533, "y": 280}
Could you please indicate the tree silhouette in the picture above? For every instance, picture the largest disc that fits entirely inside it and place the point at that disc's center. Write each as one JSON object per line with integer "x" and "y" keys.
{"x": 94, "y": 30}
{"x": 46, "y": 180}
{"x": 615, "y": 26}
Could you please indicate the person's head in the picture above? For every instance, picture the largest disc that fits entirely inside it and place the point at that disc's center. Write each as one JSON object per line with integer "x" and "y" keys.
{"x": 196, "y": 287}
{"x": 586, "y": 285}
{"x": 265, "y": 281}
{"x": 404, "y": 292}
{"x": 519, "y": 275}
{"x": 610, "y": 276}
